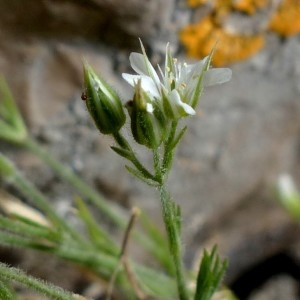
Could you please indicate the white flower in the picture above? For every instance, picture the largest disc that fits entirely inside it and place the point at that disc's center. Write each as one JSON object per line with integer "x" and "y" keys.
{"x": 179, "y": 85}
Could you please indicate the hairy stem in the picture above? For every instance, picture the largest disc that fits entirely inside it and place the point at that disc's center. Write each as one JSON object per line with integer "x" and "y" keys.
{"x": 173, "y": 233}
{"x": 47, "y": 289}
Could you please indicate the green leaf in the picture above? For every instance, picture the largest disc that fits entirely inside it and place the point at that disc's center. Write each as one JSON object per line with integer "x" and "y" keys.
{"x": 28, "y": 228}
{"x": 141, "y": 176}
{"x": 210, "y": 273}
{"x": 12, "y": 127}
{"x": 178, "y": 137}
{"x": 155, "y": 284}
{"x": 7, "y": 169}
{"x": 6, "y": 292}
{"x": 14, "y": 240}
{"x": 155, "y": 234}
{"x": 98, "y": 236}
{"x": 122, "y": 152}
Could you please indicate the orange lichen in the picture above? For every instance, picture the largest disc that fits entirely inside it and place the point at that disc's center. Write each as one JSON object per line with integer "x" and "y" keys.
{"x": 199, "y": 39}
{"x": 215, "y": 4}
{"x": 222, "y": 4}
{"x": 286, "y": 21}
{"x": 192, "y": 34}
{"x": 250, "y": 6}
{"x": 194, "y": 3}
{"x": 221, "y": 8}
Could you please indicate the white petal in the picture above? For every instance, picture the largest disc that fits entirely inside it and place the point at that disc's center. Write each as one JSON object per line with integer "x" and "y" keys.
{"x": 141, "y": 64}
{"x": 98, "y": 84}
{"x": 193, "y": 72}
{"x": 147, "y": 83}
{"x": 198, "y": 66}
{"x": 176, "y": 103}
{"x": 137, "y": 62}
{"x": 216, "y": 76}
{"x": 131, "y": 79}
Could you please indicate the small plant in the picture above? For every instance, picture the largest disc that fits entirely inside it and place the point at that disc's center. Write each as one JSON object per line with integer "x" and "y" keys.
{"x": 160, "y": 101}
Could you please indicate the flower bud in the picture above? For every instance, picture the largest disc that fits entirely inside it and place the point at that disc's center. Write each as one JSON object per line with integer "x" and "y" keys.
{"x": 148, "y": 123}
{"x": 102, "y": 102}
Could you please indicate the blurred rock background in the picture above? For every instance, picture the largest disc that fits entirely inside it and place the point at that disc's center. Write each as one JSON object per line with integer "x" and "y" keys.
{"x": 245, "y": 135}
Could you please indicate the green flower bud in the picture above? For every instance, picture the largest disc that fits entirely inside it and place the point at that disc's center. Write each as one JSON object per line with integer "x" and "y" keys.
{"x": 148, "y": 123}
{"x": 102, "y": 102}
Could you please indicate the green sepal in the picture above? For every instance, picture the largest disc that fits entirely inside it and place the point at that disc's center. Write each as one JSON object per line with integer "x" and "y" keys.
{"x": 148, "y": 123}
{"x": 199, "y": 87}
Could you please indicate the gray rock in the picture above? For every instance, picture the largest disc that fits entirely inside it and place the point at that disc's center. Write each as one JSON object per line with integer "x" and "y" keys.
{"x": 279, "y": 287}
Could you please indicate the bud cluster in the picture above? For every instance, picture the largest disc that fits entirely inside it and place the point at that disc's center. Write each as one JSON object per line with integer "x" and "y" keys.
{"x": 158, "y": 98}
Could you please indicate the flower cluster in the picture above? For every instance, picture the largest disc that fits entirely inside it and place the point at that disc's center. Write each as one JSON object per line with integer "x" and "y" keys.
{"x": 160, "y": 97}
{"x": 179, "y": 85}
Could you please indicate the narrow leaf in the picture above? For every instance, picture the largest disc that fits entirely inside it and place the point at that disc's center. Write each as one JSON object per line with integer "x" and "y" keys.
{"x": 29, "y": 229}
{"x": 178, "y": 137}
{"x": 98, "y": 236}
{"x": 51, "y": 291}
{"x": 6, "y": 292}
{"x": 141, "y": 176}
{"x": 210, "y": 273}
{"x": 122, "y": 152}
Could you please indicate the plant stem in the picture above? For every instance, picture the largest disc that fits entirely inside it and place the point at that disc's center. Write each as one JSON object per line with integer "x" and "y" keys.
{"x": 173, "y": 232}
{"x": 170, "y": 210}
{"x": 47, "y": 289}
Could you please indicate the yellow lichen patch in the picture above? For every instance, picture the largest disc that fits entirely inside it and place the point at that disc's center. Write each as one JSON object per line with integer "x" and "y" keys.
{"x": 194, "y": 3}
{"x": 222, "y": 4}
{"x": 221, "y": 8}
{"x": 286, "y": 21}
{"x": 233, "y": 48}
{"x": 192, "y": 34}
{"x": 199, "y": 39}
{"x": 250, "y": 6}
{"x": 215, "y": 4}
